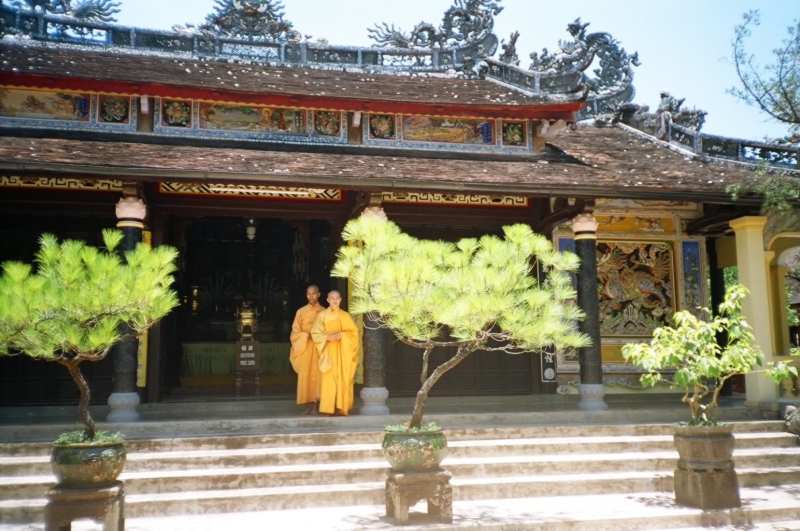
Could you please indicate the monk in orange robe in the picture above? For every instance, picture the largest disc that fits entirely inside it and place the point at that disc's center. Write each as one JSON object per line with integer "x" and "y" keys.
{"x": 336, "y": 337}
{"x": 304, "y": 356}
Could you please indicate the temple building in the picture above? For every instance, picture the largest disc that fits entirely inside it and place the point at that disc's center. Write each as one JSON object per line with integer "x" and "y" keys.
{"x": 248, "y": 148}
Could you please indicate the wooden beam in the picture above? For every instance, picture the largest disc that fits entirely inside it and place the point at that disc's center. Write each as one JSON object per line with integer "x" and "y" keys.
{"x": 562, "y": 212}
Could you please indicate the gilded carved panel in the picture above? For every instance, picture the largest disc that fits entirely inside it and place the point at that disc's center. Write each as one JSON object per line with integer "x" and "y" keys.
{"x": 636, "y": 287}
{"x": 448, "y": 130}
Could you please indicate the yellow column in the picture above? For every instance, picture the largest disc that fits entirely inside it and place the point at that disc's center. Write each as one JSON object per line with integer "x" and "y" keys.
{"x": 751, "y": 263}
{"x": 780, "y": 310}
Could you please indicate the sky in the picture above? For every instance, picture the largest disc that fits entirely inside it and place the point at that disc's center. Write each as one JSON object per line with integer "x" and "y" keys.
{"x": 684, "y": 45}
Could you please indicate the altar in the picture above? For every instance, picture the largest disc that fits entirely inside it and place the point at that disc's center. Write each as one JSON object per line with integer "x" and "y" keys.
{"x": 203, "y": 358}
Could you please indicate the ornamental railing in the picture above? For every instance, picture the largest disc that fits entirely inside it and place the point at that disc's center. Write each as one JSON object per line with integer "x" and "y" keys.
{"x": 65, "y": 30}
{"x": 735, "y": 148}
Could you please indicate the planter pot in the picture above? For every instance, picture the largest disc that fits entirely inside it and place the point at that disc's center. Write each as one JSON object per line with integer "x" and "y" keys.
{"x": 705, "y": 476}
{"x": 87, "y": 465}
{"x": 415, "y": 452}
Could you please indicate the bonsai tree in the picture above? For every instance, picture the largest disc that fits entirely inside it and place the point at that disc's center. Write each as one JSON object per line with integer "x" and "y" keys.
{"x": 70, "y": 310}
{"x": 701, "y": 365}
{"x": 477, "y": 294}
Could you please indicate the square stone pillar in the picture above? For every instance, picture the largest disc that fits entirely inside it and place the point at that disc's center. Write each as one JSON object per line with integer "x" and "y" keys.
{"x": 753, "y": 274}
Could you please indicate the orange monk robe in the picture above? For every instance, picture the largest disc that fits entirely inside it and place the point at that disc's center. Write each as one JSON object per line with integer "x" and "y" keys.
{"x": 304, "y": 355}
{"x": 338, "y": 360}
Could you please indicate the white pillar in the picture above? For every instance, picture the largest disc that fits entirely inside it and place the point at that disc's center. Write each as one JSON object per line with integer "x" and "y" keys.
{"x": 750, "y": 260}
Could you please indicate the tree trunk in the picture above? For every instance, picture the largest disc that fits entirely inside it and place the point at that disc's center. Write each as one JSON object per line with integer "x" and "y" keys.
{"x": 425, "y": 356}
{"x": 422, "y": 395}
{"x": 83, "y": 404}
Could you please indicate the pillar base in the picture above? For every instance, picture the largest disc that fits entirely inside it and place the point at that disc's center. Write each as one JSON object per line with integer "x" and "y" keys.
{"x": 374, "y": 401}
{"x": 123, "y": 407}
{"x": 592, "y": 397}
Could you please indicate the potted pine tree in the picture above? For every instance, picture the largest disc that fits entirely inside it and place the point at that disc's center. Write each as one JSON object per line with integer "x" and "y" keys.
{"x": 69, "y": 311}
{"x": 477, "y": 294}
{"x": 705, "y": 476}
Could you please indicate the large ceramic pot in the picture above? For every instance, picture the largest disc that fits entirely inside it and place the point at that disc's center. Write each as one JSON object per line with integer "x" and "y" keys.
{"x": 705, "y": 476}
{"x": 87, "y": 465}
{"x": 419, "y": 451}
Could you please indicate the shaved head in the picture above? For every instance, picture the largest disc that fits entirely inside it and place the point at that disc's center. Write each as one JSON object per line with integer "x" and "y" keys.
{"x": 312, "y": 295}
{"x": 334, "y": 299}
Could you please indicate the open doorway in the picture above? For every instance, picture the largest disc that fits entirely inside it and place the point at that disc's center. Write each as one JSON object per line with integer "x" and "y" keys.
{"x": 226, "y": 261}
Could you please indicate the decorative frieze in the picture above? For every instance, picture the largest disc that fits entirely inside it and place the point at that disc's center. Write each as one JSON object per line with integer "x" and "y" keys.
{"x": 250, "y": 190}
{"x": 66, "y": 110}
{"x": 436, "y": 198}
{"x": 448, "y": 130}
{"x": 448, "y": 133}
{"x": 253, "y": 119}
{"x": 60, "y": 183}
{"x": 249, "y": 122}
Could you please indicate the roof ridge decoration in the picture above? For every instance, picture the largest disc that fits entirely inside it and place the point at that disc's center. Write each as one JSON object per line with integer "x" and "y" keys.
{"x": 461, "y": 46}
{"x": 102, "y": 11}
{"x": 248, "y": 19}
{"x": 563, "y": 71}
{"x": 468, "y": 24}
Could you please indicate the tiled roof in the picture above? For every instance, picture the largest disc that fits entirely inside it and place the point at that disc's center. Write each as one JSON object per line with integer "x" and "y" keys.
{"x": 592, "y": 162}
{"x": 232, "y": 78}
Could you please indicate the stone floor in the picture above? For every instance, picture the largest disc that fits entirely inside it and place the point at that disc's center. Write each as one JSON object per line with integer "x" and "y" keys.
{"x": 610, "y": 512}
{"x": 32, "y": 424}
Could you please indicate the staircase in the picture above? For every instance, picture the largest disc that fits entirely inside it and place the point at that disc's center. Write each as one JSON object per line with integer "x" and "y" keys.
{"x": 582, "y": 476}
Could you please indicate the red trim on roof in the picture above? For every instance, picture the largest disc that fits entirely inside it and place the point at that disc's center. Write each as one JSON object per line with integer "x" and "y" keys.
{"x": 554, "y": 111}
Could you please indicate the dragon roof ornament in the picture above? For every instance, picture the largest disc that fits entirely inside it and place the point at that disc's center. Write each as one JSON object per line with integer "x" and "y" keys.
{"x": 101, "y": 11}
{"x": 563, "y": 72}
{"x": 467, "y": 24}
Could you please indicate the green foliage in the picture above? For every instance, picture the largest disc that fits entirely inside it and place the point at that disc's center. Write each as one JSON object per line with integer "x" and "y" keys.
{"x": 71, "y": 309}
{"x": 731, "y": 276}
{"x": 779, "y": 192}
{"x": 80, "y": 437}
{"x": 72, "y": 306}
{"x": 476, "y": 294}
{"x": 774, "y": 88}
{"x": 407, "y": 428}
{"x": 476, "y": 290}
{"x": 793, "y": 317}
{"x": 701, "y": 365}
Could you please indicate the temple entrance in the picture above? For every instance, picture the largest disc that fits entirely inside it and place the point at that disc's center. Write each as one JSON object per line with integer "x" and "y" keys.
{"x": 226, "y": 261}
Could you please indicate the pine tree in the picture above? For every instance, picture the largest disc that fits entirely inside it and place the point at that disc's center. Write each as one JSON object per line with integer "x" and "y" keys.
{"x": 477, "y": 294}
{"x": 70, "y": 310}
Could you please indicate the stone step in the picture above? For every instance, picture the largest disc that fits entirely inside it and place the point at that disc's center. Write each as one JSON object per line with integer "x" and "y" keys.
{"x": 195, "y": 478}
{"x": 233, "y": 442}
{"x": 339, "y": 495}
{"x": 207, "y": 420}
{"x": 343, "y": 453}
